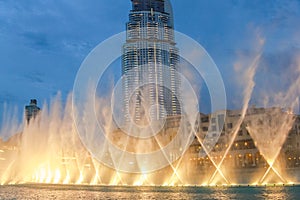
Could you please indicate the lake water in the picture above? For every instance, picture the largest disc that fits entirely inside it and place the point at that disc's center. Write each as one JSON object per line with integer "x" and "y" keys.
{"x": 137, "y": 193}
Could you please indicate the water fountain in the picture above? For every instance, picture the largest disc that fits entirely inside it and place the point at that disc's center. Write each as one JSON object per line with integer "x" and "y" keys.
{"x": 269, "y": 131}
{"x": 49, "y": 149}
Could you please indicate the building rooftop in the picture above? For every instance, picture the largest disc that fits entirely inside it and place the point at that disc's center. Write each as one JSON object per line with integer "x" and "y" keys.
{"x": 148, "y": 5}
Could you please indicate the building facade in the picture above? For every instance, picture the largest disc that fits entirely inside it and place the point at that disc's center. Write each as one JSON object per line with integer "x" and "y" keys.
{"x": 150, "y": 63}
{"x": 31, "y": 110}
{"x": 264, "y": 133}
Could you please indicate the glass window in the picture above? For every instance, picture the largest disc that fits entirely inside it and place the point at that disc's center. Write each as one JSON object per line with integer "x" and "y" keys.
{"x": 229, "y": 125}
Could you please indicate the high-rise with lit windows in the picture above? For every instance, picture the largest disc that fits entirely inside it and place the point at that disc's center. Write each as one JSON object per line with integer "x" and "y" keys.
{"x": 150, "y": 62}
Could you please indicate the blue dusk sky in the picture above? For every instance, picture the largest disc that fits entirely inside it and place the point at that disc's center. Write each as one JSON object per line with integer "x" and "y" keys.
{"x": 44, "y": 42}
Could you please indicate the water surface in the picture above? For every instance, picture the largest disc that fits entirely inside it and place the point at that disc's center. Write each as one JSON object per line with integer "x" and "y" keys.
{"x": 137, "y": 193}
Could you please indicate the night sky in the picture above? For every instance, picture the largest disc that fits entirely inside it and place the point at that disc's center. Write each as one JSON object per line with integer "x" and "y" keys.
{"x": 44, "y": 42}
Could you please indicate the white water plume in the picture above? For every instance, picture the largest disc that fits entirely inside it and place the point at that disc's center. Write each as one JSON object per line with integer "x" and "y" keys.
{"x": 269, "y": 129}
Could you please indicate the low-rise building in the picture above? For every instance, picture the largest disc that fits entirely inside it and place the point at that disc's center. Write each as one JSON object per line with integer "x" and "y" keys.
{"x": 263, "y": 134}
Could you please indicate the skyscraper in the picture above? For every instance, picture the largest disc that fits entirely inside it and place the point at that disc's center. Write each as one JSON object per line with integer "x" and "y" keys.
{"x": 150, "y": 63}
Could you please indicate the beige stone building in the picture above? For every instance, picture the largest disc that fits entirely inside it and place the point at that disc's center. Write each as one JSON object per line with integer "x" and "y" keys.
{"x": 263, "y": 134}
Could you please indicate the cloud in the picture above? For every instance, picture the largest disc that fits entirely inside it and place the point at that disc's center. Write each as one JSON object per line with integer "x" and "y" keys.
{"x": 35, "y": 77}
{"x": 38, "y": 41}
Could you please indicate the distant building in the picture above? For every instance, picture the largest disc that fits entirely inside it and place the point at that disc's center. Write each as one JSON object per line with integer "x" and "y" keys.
{"x": 31, "y": 110}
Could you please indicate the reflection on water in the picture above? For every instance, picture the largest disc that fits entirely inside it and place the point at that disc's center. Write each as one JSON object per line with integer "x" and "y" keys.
{"x": 276, "y": 193}
{"x": 145, "y": 193}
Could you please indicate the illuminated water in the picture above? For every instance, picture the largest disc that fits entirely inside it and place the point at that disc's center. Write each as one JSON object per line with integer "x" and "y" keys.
{"x": 115, "y": 192}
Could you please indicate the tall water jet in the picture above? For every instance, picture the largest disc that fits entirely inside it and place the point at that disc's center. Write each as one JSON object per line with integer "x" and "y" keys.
{"x": 248, "y": 73}
{"x": 269, "y": 131}
{"x": 271, "y": 127}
